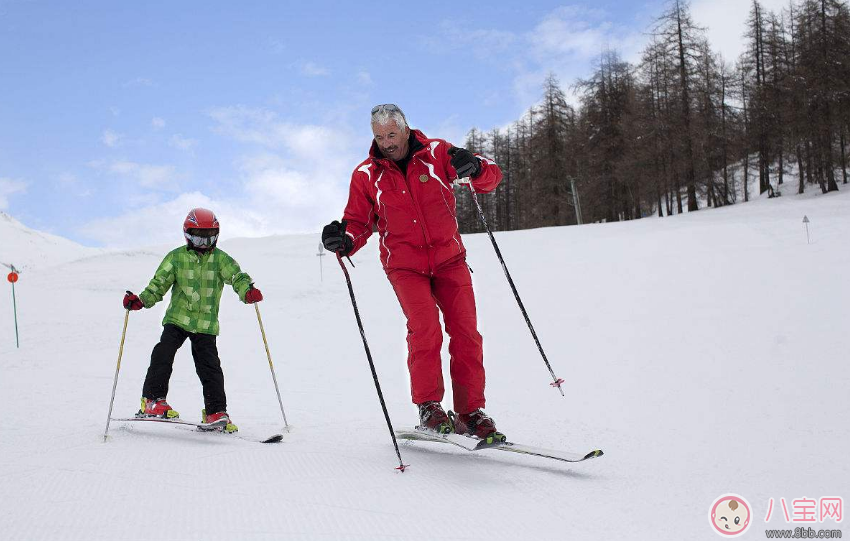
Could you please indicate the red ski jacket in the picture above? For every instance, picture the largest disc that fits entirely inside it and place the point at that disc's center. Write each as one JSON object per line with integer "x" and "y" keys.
{"x": 415, "y": 214}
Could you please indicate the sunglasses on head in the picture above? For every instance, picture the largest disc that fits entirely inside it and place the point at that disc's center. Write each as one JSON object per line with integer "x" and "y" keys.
{"x": 391, "y": 107}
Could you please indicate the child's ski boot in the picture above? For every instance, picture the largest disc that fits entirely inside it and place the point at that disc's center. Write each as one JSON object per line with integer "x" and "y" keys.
{"x": 156, "y": 408}
{"x": 230, "y": 428}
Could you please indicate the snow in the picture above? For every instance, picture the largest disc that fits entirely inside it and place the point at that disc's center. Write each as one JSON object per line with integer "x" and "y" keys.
{"x": 24, "y": 247}
{"x": 704, "y": 353}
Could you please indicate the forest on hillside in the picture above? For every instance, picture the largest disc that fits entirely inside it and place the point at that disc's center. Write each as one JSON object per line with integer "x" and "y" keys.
{"x": 681, "y": 129}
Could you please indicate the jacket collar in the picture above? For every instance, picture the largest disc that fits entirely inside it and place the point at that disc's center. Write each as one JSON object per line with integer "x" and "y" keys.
{"x": 199, "y": 253}
{"x": 417, "y": 142}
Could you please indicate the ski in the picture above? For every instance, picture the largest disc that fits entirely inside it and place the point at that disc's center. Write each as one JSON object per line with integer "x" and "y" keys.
{"x": 206, "y": 427}
{"x": 474, "y": 444}
{"x": 200, "y": 426}
{"x": 277, "y": 438}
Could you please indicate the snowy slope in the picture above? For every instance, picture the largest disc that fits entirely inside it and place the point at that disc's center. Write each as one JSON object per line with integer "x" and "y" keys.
{"x": 705, "y": 353}
{"x": 25, "y": 247}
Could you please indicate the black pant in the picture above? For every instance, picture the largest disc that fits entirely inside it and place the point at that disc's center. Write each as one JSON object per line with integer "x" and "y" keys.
{"x": 207, "y": 365}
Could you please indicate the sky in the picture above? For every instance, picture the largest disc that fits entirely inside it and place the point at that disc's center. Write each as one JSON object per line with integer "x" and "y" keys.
{"x": 116, "y": 118}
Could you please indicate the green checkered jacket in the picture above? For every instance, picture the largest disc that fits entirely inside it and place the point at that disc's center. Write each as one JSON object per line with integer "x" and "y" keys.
{"x": 198, "y": 280}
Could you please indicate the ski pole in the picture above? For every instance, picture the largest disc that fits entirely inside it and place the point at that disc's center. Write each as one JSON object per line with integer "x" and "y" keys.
{"x": 556, "y": 381}
{"x": 13, "y": 277}
{"x": 271, "y": 366}
{"x": 401, "y": 465}
{"x": 117, "y": 368}
{"x": 15, "y": 308}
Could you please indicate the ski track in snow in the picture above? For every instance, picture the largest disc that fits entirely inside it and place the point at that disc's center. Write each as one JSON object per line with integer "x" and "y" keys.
{"x": 704, "y": 353}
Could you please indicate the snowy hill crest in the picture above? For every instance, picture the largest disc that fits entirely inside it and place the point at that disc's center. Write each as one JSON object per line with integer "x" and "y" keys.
{"x": 28, "y": 248}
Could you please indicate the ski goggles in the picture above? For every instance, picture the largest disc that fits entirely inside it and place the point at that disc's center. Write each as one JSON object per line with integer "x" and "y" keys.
{"x": 202, "y": 238}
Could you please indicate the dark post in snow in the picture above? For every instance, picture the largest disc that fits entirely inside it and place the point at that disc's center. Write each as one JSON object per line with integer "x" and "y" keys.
{"x": 576, "y": 202}
{"x": 806, "y": 221}
{"x": 321, "y": 254}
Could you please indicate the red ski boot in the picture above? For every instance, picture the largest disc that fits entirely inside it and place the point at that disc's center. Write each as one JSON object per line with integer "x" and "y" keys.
{"x": 479, "y": 425}
{"x": 432, "y": 417}
{"x": 230, "y": 428}
{"x": 157, "y": 408}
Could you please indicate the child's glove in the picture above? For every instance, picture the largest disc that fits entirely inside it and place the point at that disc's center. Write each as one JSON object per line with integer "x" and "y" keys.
{"x": 253, "y": 295}
{"x": 132, "y": 301}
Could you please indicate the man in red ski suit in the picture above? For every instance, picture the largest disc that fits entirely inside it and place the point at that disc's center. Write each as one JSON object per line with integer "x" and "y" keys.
{"x": 404, "y": 190}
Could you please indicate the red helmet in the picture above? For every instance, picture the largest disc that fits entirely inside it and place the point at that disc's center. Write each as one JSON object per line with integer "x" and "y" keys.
{"x": 201, "y": 229}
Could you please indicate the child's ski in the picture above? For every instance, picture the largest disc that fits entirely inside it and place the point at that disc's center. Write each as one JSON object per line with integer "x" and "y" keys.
{"x": 204, "y": 427}
{"x": 277, "y": 438}
{"x": 200, "y": 426}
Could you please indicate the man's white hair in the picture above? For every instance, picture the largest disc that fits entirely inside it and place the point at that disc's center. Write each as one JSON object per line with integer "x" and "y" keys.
{"x": 384, "y": 114}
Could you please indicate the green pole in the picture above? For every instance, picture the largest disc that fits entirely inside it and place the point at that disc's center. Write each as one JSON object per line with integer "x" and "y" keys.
{"x": 15, "y": 306}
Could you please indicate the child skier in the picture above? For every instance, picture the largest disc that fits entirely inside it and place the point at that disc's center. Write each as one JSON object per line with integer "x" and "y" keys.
{"x": 196, "y": 274}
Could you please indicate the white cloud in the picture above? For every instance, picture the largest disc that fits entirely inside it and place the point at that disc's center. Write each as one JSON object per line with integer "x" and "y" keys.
{"x": 311, "y": 69}
{"x": 268, "y": 177}
{"x": 67, "y": 179}
{"x": 157, "y": 123}
{"x": 138, "y": 81}
{"x": 364, "y": 78}
{"x": 271, "y": 182}
{"x": 484, "y": 44}
{"x": 69, "y": 182}
{"x": 111, "y": 138}
{"x": 244, "y": 124}
{"x": 115, "y": 111}
{"x": 149, "y": 175}
{"x": 297, "y": 195}
{"x": 725, "y": 22}
{"x": 276, "y": 46}
{"x": 182, "y": 143}
{"x": 305, "y": 142}
{"x": 566, "y": 42}
{"x": 295, "y": 175}
{"x": 291, "y": 178}
{"x": 145, "y": 175}
{"x": 279, "y": 201}
{"x": 452, "y": 129}
{"x": 9, "y": 187}
{"x": 571, "y": 31}
{"x": 162, "y": 223}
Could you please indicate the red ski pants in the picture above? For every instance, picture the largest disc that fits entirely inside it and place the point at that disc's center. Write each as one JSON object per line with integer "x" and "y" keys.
{"x": 450, "y": 290}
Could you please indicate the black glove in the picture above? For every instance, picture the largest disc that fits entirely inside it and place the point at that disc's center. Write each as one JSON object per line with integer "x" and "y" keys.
{"x": 334, "y": 238}
{"x": 465, "y": 162}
